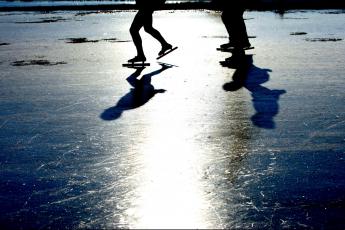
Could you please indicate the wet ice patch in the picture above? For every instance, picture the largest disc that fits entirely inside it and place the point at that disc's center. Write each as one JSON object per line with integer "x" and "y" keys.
{"x": 36, "y": 62}
{"x": 294, "y": 18}
{"x": 335, "y": 12}
{"x": 94, "y": 12}
{"x": 323, "y": 39}
{"x": 85, "y": 40}
{"x": 221, "y": 36}
{"x": 216, "y": 36}
{"x": 114, "y": 40}
{"x": 298, "y": 33}
{"x": 79, "y": 40}
{"x": 45, "y": 20}
{"x": 110, "y": 39}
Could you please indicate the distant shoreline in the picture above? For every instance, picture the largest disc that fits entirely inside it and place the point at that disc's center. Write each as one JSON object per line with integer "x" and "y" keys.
{"x": 181, "y": 6}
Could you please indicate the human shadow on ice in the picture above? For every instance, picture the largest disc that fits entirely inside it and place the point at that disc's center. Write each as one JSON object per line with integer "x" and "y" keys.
{"x": 139, "y": 95}
{"x": 265, "y": 101}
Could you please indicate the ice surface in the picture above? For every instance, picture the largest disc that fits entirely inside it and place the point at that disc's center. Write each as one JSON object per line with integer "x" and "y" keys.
{"x": 90, "y": 144}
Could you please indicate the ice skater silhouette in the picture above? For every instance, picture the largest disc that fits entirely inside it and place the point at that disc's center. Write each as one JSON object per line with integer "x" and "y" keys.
{"x": 144, "y": 19}
{"x": 232, "y": 17}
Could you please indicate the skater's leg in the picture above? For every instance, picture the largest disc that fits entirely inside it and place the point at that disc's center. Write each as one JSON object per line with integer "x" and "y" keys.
{"x": 243, "y": 35}
{"x": 149, "y": 28}
{"x": 239, "y": 31}
{"x": 134, "y": 30}
{"x": 155, "y": 33}
{"x": 226, "y": 18}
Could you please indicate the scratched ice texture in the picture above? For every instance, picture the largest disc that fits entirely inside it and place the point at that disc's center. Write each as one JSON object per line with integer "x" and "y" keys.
{"x": 86, "y": 143}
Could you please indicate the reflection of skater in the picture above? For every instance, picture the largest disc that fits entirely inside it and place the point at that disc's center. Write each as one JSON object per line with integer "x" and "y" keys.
{"x": 144, "y": 19}
{"x": 265, "y": 101}
{"x": 140, "y": 94}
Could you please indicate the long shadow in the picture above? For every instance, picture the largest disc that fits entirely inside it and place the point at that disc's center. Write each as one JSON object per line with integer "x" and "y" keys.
{"x": 265, "y": 101}
{"x": 139, "y": 95}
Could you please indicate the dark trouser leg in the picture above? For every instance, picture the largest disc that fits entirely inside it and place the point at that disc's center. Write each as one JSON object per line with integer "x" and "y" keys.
{"x": 134, "y": 30}
{"x": 227, "y": 21}
{"x": 147, "y": 22}
{"x": 238, "y": 31}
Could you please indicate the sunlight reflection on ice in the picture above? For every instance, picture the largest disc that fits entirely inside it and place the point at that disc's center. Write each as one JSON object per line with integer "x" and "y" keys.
{"x": 169, "y": 194}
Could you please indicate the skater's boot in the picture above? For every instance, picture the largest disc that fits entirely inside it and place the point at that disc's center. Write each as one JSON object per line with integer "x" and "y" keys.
{"x": 227, "y": 45}
{"x": 245, "y": 45}
{"x": 165, "y": 48}
{"x": 139, "y": 58}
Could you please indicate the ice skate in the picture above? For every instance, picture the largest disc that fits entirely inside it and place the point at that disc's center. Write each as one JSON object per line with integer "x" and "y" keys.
{"x": 226, "y": 45}
{"x": 166, "y": 50}
{"x": 136, "y": 61}
{"x": 230, "y": 47}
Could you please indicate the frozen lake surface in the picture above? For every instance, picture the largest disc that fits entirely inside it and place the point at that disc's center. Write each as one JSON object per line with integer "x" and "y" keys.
{"x": 83, "y": 147}
{"x": 77, "y": 2}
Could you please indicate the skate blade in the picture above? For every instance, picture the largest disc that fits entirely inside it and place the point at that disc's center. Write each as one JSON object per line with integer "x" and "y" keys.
{"x": 169, "y": 51}
{"x": 135, "y": 64}
{"x": 230, "y": 50}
